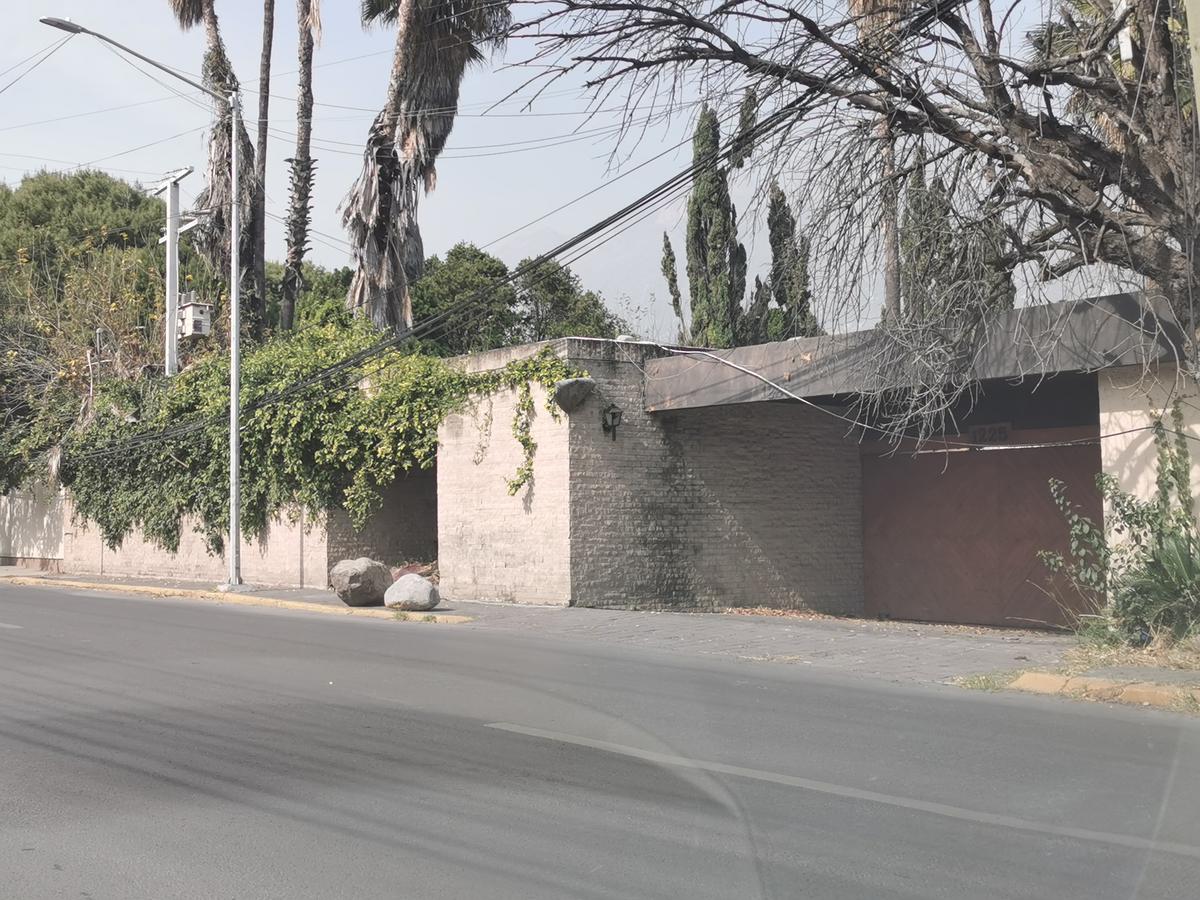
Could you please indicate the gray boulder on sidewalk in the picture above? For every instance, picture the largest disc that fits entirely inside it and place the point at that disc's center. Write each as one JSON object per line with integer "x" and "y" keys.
{"x": 360, "y": 582}
{"x": 413, "y": 593}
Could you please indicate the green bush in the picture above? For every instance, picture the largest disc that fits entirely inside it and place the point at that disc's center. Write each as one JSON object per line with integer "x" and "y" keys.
{"x": 335, "y": 444}
{"x": 1160, "y": 593}
{"x": 1147, "y": 582}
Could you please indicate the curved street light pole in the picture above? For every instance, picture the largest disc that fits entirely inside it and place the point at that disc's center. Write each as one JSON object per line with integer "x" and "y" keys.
{"x": 234, "y": 550}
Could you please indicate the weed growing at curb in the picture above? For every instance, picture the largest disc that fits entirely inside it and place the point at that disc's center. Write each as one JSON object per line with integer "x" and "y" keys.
{"x": 987, "y": 681}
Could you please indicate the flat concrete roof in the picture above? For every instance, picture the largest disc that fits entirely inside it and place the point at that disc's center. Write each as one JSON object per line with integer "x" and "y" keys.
{"x": 1032, "y": 341}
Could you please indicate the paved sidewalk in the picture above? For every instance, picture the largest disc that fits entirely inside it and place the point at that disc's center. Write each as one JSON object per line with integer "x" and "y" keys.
{"x": 308, "y": 595}
{"x": 894, "y": 651}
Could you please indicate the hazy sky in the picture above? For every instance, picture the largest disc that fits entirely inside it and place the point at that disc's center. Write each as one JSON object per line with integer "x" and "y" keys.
{"x": 501, "y": 170}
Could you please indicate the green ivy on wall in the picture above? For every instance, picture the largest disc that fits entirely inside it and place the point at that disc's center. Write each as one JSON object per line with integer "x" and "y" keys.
{"x": 331, "y": 445}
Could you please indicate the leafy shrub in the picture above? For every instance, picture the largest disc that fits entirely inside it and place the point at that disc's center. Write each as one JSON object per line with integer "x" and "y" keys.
{"x": 1148, "y": 581}
{"x": 1086, "y": 567}
{"x": 1160, "y": 593}
{"x": 156, "y": 450}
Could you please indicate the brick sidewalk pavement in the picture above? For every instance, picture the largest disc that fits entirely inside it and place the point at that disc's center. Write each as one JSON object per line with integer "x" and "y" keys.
{"x": 894, "y": 651}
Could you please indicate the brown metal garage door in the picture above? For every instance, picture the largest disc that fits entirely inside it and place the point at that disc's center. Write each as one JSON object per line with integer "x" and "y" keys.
{"x": 953, "y": 537}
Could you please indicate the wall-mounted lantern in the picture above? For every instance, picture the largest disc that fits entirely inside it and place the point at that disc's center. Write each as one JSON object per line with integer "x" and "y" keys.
{"x": 612, "y": 419}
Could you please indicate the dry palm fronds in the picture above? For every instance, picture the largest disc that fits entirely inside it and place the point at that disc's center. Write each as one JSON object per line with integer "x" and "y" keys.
{"x": 435, "y": 42}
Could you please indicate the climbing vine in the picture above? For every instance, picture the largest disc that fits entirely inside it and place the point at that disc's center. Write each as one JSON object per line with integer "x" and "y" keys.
{"x": 155, "y": 451}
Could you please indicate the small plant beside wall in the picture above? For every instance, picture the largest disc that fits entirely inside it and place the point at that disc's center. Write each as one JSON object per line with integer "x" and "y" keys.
{"x": 1141, "y": 580}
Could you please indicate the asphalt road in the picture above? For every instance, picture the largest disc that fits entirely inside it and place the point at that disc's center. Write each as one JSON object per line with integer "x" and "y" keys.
{"x": 162, "y": 749}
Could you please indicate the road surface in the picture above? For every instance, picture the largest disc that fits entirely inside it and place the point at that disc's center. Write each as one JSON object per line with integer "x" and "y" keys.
{"x": 167, "y": 749}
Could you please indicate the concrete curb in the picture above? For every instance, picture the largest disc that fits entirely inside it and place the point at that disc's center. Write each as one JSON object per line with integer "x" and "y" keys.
{"x": 1087, "y": 687}
{"x": 235, "y": 599}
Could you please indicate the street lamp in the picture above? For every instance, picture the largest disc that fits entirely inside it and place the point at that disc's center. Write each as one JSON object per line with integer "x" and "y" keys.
{"x": 235, "y": 300}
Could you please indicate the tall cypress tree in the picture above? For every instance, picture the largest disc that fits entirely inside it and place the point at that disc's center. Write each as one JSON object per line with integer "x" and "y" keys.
{"x": 716, "y": 261}
{"x": 793, "y": 315}
{"x": 670, "y": 272}
{"x": 948, "y": 264}
{"x": 927, "y": 247}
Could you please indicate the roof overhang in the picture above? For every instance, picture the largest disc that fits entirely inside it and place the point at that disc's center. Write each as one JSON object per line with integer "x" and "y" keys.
{"x": 1032, "y": 341}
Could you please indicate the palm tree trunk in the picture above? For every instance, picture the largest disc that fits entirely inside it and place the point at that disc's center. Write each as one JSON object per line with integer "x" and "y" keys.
{"x": 876, "y": 20}
{"x": 379, "y": 213}
{"x": 891, "y": 223}
{"x": 406, "y": 21}
{"x": 213, "y": 240}
{"x": 258, "y": 263}
{"x": 302, "y": 167}
{"x": 435, "y": 44}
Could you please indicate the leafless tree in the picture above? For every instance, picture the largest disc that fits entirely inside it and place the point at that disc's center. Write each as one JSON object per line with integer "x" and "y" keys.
{"x": 1074, "y": 184}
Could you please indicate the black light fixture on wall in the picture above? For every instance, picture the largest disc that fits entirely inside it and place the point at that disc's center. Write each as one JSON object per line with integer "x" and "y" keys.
{"x": 611, "y": 419}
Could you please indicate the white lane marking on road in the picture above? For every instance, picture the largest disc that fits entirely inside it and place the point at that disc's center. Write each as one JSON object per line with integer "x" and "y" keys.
{"x": 852, "y": 793}
{"x": 6, "y": 625}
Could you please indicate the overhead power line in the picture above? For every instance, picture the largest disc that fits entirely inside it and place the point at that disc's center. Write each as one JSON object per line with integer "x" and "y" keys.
{"x": 950, "y": 444}
{"x": 146, "y": 146}
{"x": 581, "y": 244}
{"x": 80, "y": 115}
{"x": 71, "y": 162}
{"x": 187, "y": 96}
{"x": 35, "y": 53}
{"x": 49, "y": 53}
{"x": 590, "y": 238}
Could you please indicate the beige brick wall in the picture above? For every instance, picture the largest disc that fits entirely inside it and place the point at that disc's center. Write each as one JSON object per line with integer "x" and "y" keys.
{"x": 31, "y": 526}
{"x": 1131, "y": 399}
{"x": 289, "y": 555}
{"x": 403, "y": 530}
{"x": 493, "y": 546}
{"x": 749, "y": 505}
{"x": 295, "y": 554}
{"x": 740, "y": 506}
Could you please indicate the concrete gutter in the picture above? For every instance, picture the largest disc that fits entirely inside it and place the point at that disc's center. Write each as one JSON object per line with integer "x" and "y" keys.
{"x": 1181, "y": 697}
{"x": 239, "y": 599}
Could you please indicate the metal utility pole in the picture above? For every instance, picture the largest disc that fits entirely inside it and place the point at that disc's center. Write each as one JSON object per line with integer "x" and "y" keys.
{"x": 170, "y": 185}
{"x": 171, "y": 326}
{"x": 235, "y": 314}
{"x": 234, "y": 550}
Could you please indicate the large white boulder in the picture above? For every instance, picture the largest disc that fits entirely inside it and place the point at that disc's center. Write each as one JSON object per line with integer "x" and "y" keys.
{"x": 413, "y": 593}
{"x": 360, "y": 582}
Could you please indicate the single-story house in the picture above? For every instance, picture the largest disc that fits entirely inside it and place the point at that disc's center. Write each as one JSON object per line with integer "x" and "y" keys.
{"x": 717, "y": 489}
{"x": 739, "y": 478}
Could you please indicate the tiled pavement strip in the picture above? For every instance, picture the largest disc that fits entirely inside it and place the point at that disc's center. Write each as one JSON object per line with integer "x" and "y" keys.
{"x": 894, "y": 651}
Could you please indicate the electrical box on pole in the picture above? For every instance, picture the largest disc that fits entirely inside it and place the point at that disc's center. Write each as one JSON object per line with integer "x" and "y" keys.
{"x": 195, "y": 319}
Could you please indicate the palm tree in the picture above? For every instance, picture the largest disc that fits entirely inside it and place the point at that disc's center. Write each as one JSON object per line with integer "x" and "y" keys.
{"x": 435, "y": 42}
{"x": 212, "y": 238}
{"x": 308, "y": 16}
{"x": 1066, "y": 37}
{"x": 259, "y": 225}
